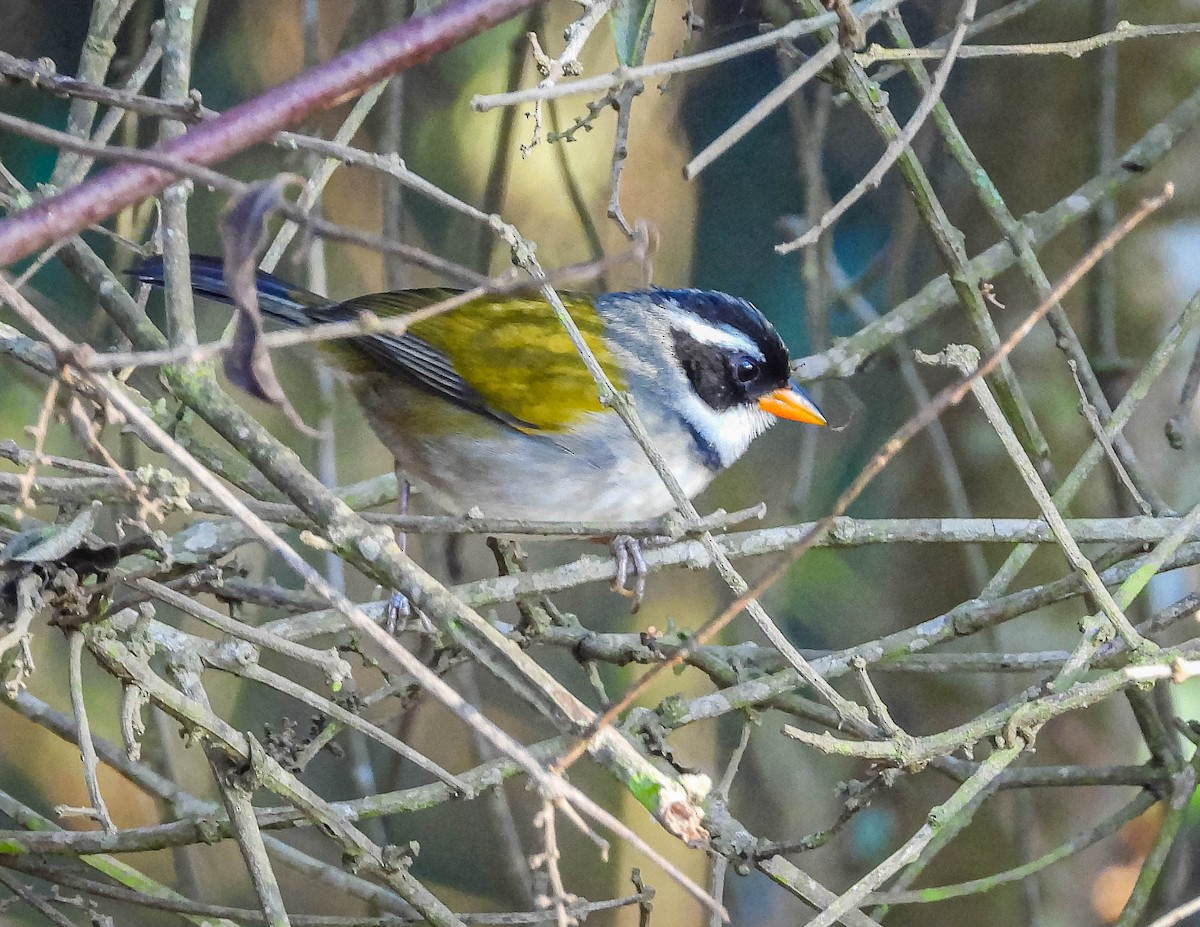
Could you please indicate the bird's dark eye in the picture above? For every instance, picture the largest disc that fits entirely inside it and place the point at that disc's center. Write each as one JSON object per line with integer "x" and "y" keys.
{"x": 746, "y": 370}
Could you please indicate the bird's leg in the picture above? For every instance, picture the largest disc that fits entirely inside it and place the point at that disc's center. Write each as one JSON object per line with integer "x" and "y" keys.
{"x": 628, "y": 551}
{"x": 399, "y": 608}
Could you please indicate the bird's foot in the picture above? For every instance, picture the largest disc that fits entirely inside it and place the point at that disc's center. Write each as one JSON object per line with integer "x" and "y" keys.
{"x": 628, "y": 552}
{"x": 399, "y": 610}
{"x": 401, "y": 615}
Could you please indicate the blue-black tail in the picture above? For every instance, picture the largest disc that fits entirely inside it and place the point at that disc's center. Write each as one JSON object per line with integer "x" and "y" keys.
{"x": 277, "y": 298}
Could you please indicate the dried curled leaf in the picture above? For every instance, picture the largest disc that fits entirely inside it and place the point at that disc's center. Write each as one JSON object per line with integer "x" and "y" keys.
{"x": 45, "y": 543}
{"x": 63, "y": 557}
{"x": 247, "y": 363}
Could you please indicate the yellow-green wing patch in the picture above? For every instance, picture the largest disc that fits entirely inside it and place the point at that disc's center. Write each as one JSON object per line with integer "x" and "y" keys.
{"x": 511, "y": 352}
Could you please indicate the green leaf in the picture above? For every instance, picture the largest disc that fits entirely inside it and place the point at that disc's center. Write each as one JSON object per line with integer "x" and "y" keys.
{"x": 630, "y": 20}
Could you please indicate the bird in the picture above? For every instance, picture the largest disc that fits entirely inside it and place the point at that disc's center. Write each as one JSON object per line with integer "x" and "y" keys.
{"x": 490, "y": 408}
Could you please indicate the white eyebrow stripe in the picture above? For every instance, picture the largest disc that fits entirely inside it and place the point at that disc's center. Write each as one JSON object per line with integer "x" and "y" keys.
{"x": 719, "y": 336}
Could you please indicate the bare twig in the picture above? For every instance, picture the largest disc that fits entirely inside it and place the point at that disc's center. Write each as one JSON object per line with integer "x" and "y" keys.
{"x": 897, "y": 145}
{"x": 681, "y": 65}
{"x": 254, "y": 121}
{"x": 1123, "y": 32}
{"x": 87, "y": 749}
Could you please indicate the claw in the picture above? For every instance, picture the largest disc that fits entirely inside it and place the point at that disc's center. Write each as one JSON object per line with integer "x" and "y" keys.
{"x": 399, "y": 610}
{"x": 628, "y": 551}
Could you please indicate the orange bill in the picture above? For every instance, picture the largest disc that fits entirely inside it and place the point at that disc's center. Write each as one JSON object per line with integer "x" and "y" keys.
{"x": 790, "y": 402}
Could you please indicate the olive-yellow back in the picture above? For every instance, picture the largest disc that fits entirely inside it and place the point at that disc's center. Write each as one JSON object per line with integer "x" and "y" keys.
{"x": 511, "y": 350}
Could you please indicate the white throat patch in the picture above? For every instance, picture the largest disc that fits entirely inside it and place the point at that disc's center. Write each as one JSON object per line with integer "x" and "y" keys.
{"x": 727, "y": 434}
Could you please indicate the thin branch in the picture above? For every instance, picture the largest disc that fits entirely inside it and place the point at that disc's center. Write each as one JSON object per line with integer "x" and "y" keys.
{"x": 991, "y": 200}
{"x": 1138, "y": 390}
{"x": 1075, "y": 845}
{"x": 87, "y": 749}
{"x": 256, "y": 120}
{"x": 896, "y": 146}
{"x": 762, "y": 109}
{"x": 1037, "y": 489}
{"x": 948, "y": 397}
{"x": 681, "y": 65}
{"x": 42, "y": 74}
{"x": 1124, "y": 31}
{"x": 951, "y": 815}
{"x": 850, "y": 354}
{"x": 427, "y": 595}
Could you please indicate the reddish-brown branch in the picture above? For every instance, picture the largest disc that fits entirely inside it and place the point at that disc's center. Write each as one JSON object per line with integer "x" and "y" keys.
{"x": 256, "y": 120}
